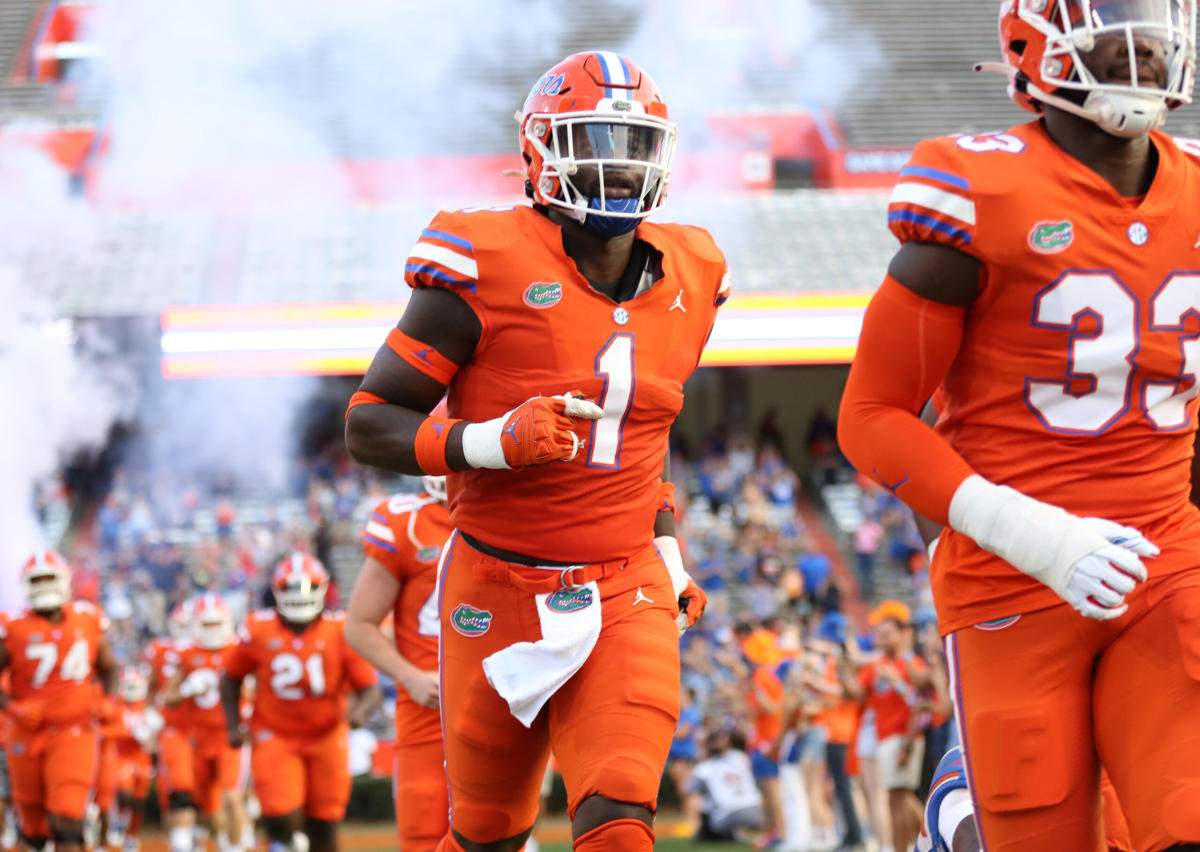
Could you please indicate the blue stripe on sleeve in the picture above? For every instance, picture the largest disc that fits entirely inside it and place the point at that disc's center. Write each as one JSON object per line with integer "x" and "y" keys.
{"x": 934, "y": 174}
{"x": 929, "y": 222}
{"x": 378, "y": 542}
{"x": 437, "y": 274}
{"x": 450, "y": 238}
{"x": 380, "y": 518}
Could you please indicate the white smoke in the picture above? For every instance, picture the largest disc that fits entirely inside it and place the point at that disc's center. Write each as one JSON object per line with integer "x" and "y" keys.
{"x": 55, "y": 401}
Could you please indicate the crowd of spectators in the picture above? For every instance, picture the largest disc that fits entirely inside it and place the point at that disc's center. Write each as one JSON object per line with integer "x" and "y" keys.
{"x": 804, "y": 708}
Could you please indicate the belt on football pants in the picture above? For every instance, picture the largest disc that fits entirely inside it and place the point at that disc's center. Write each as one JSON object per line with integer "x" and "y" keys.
{"x": 539, "y": 579}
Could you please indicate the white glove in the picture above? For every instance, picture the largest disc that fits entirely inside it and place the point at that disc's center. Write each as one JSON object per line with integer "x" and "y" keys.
{"x": 1090, "y": 563}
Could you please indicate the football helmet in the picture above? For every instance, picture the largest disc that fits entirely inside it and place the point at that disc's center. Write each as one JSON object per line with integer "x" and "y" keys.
{"x": 435, "y": 486}
{"x": 212, "y": 623}
{"x": 179, "y": 622}
{"x": 1056, "y": 52}
{"x": 46, "y": 581}
{"x": 299, "y": 584}
{"x": 133, "y": 685}
{"x": 597, "y": 142}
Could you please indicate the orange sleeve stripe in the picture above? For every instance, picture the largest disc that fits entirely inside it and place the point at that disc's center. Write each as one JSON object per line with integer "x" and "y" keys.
{"x": 906, "y": 346}
{"x": 422, "y": 357}
{"x": 364, "y": 398}
{"x": 430, "y": 445}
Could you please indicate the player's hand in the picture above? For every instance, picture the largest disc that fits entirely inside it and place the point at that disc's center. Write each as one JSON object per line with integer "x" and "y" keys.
{"x": 538, "y": 431}
{"x": 691, "y": 605}
{"x": 1090, "y": 563}
{"x": 237, "y": 736}
{"x": 424, "y": 688}
{"x": 28, "y": 713}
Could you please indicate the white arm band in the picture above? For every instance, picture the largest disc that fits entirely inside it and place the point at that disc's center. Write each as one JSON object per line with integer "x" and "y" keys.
{"x": 668, "y": 549}
{"x": 1041, "y": 540}
{"x": 481, "y": 444}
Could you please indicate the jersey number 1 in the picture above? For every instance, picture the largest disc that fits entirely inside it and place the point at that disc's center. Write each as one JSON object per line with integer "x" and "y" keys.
{"x": 615, "y": 365}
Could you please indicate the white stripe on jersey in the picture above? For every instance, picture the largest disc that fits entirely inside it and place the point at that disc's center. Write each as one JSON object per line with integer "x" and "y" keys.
{"x": 947, "y": 203}
{"x": 380, "y": 531}
{"x": 446, "y": 257}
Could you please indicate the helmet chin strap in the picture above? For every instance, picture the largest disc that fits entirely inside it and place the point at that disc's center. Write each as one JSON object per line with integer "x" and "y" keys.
{"x": 1121, "y": 114}
{"x": 612, "y": 226}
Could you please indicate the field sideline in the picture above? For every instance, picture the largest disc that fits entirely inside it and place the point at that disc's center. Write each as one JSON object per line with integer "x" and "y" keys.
{"x": 554, "y": 836}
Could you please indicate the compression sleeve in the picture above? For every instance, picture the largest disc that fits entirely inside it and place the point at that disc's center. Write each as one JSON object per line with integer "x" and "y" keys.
{"x": 907, "y": 345}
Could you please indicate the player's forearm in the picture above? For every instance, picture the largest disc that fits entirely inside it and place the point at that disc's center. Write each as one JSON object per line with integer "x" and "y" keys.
{"x": 906, "y": 346}
{"x": 385, "y": 436}
{"x": 365, "y": 702}
{"x": 231, "y": 696}
{"x": 374, "y": 647}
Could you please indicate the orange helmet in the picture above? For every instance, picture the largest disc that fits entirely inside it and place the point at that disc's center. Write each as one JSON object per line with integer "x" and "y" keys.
{"x": 211, "y": 621}
{"x": 1044, "y": 44}
{"x": 46, "y": 580}
{"x": 597, "y": 143}
{"x": 179, "y": 622}
{"x": 299, "y": 583}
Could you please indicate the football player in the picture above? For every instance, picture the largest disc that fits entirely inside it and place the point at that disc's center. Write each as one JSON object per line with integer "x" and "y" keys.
{"x": 176, "y": 767}
{"x": 402, "y": 540}
{"x": 303, "y": 669}
{"x": 216, "y": 767}
{"x": 1045, "y": 282}
{"x": 57, "y": 653}
{"x": 561, "y": 505}
{"x": 135, "y": 767}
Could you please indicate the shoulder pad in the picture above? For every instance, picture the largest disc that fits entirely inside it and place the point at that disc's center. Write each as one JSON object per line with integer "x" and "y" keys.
{"x": 86, "y": 607}
{"x": 444, "y": 255}
{"x": 262, "y": 615}
{"x": 334, "y": 615}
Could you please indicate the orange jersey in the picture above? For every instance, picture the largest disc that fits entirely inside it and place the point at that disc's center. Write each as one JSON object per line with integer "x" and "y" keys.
{"x": 768, "y": 719}
{"x": 405, "y": 534}
{"x": 135, "y": 728}
{"x": 55, "y": 662}
{"x": 1075, "y": 380}
{"x": 163, "y": 657}
{"x": 302, "y": 677}
{"x": 203, "y": 669}
{"x": 889, "y": 692}
{"x": 546, "y": 331}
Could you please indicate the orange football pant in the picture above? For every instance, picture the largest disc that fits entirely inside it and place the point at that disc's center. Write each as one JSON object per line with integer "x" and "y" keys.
{"x": 135, "y": 774}
{"x": 176, "y": 768}
{"x": 1116, "y": 831}
{"x": 1039, "y": 697}
{"x": 422, "y": 800}
{"x": 218, "y": 768}
{"x": 610, "y": 725}
{"x": 53, "y": 771}
{"x": 106, "y": 775}
{"x": 302, "y": 771}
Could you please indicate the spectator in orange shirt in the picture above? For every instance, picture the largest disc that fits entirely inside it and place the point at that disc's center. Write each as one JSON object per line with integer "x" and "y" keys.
{"x": 888, "y": 686}
{"x": 765, "y": 699}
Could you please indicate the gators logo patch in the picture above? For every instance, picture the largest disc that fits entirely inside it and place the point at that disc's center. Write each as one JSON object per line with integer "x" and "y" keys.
{"x": 1051, "y": 237}
{"x": 428, "y": 554}
{"x": 543, "y": 294}
{"x": 569, "y": 600}
{"x": 470, "y": 621}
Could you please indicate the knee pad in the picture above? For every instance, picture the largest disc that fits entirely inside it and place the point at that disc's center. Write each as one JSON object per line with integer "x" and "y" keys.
{"x": 626, "y": 835}
{"x": 181, "y": 801}
{"x": 1024, "y": 743}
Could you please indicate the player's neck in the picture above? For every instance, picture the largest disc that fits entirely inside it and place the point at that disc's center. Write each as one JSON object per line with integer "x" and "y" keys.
{"x": 54, "y": 616}
{"x": 596, "y": 258}
{"x": 1128, "y": 165}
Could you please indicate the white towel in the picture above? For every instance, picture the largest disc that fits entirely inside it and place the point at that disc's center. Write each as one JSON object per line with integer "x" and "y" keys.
{"x": 528, "y": 673}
